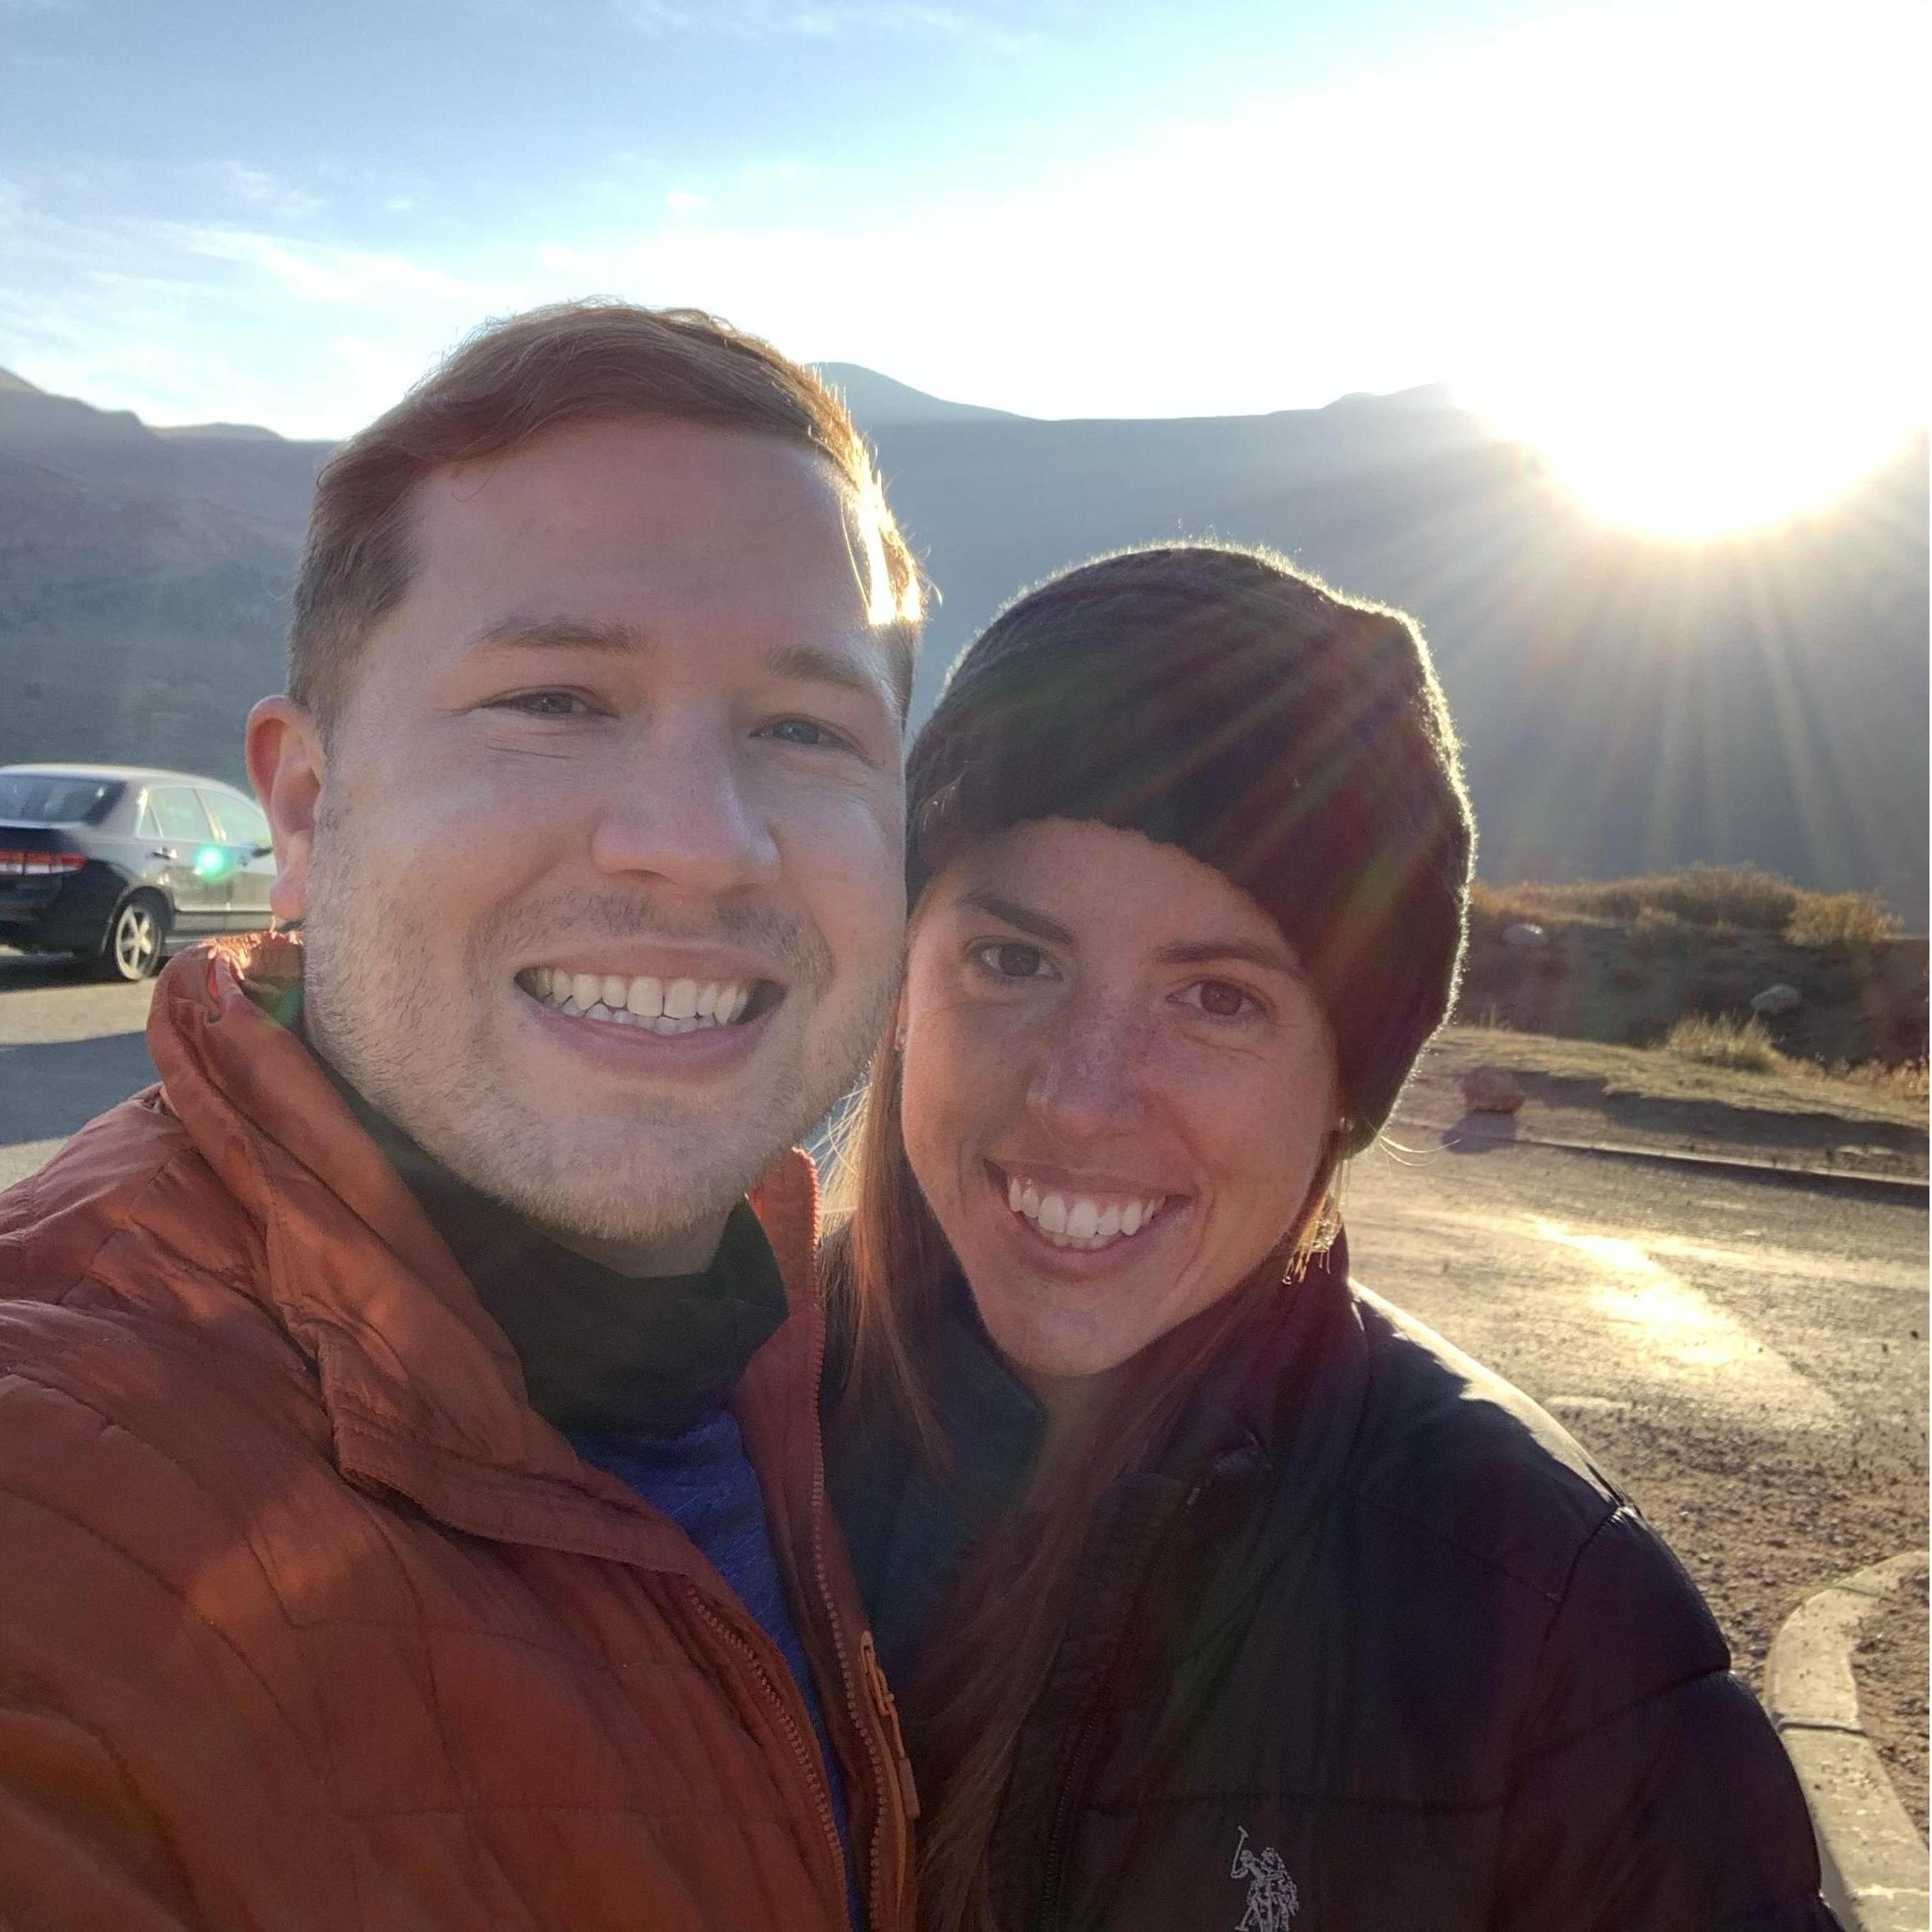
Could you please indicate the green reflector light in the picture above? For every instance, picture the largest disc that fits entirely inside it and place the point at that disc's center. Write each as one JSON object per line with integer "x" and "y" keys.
{"x": 213, "y": 862}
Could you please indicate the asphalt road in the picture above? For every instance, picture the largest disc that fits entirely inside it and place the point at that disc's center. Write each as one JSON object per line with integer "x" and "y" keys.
{"x": 1612, "y": 1288}
{"x": 69, "y": 1048}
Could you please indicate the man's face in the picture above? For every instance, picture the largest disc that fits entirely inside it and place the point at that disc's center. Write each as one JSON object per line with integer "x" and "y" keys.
{"x": 630, "y": 744}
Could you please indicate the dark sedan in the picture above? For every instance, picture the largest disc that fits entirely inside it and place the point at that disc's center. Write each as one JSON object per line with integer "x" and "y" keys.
{"x": 119, "y": 864}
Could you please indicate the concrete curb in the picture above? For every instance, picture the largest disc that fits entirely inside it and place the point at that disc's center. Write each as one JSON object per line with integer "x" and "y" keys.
{"x": 1873, "y": 1860}
{"x": 1907, "y": 1190}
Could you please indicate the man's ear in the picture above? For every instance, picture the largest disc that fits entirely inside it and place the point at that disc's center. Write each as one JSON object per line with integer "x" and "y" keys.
{"x": 289, "y": 765}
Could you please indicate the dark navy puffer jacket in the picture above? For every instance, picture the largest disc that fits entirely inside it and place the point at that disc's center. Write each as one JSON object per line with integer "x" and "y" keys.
{"x": 1375, "y": 1649}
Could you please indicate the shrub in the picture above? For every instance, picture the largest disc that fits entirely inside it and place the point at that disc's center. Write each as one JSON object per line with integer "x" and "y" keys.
{"x": 1729, "y": 900}
{"x": 1746, "y": 1045}
{"x": 1846, "y": 919}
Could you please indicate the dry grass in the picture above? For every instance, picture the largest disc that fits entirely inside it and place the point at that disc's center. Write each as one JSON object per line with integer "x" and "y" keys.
{"x": 1909, "y": 1082}
{"x": 1867, "y": 1092}
{"x": 1728, "y": 899}
{"x": 1847, "y": 919}
{"x": 1745, "y": 1046}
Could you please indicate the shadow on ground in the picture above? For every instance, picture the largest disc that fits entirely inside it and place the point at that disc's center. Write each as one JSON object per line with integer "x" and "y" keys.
{"x": 1480, "y": 1134}
{"x": 49, "y": 1089}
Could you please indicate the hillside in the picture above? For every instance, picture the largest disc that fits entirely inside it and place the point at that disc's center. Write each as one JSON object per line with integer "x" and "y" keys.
{"x": 1626, "y": 705}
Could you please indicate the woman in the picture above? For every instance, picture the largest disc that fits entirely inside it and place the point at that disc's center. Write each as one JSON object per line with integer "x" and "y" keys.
{"x": 1222, "y": 1593}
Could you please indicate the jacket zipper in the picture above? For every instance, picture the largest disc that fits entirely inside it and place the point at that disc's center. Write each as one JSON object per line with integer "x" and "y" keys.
{"x": 875, "y": 1682}
{"x": 805, "y": 1749}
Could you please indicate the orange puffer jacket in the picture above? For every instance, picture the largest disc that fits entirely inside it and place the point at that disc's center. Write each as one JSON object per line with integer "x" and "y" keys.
{"x": 308, "y": 1621}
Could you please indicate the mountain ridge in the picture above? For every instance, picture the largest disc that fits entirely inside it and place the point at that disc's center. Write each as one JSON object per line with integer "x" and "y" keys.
{"x": 1626, "y": 705}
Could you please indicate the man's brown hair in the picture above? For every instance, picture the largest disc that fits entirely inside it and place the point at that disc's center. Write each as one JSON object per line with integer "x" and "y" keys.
{"x": 571, "y": 362}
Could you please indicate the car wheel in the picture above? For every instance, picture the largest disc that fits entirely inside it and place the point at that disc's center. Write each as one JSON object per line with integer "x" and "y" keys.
{"x": 132, "y": 949}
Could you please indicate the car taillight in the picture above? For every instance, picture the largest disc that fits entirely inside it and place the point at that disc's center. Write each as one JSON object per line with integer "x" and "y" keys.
{"x": 39, "y": 864}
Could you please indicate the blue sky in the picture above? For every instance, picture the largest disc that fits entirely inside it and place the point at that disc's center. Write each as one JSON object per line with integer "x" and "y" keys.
{"x": 281, "y": 213}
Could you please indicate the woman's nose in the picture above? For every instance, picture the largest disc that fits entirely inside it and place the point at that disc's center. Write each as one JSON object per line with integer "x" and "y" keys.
{"x": 1090, "y": 1077}
{"x": 681, "y": 818}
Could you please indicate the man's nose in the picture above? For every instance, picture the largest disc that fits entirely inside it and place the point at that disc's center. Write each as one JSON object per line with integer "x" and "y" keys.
{"x": 680, "y": 817}
{"x": 1089, "y": 1078}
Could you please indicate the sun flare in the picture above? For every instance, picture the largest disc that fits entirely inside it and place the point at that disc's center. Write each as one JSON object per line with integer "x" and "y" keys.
{"x": 1718, "y": 289}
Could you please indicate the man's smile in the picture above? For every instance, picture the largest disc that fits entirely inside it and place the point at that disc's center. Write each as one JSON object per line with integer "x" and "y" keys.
{"x": 658, "y": 1004}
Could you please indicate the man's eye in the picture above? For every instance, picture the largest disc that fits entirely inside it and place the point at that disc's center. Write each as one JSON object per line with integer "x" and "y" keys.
{"x": 1219, "y": 998}
{"x": 807, "y": 732}
{"x": 1009, "y": 960}
{"x": 544, "y": 704}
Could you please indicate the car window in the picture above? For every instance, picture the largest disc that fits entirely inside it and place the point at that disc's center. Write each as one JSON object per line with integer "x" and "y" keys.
{"x": 174, "y": 813}
{"x": 238, "y": 821}
{"x": 47, "y": 798}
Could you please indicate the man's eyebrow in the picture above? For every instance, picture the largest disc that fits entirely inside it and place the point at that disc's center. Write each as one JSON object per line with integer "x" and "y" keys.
{"x": 803, "y": 663}
{"x": 557, "y": 634}
{"x": 1254, "y": 952}
{"x": 1023, "y": 918}
{"x": 813, "y": 664}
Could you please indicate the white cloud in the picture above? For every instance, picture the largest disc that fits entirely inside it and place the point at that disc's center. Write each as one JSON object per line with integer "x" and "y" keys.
{"x": 319, "y": 272}
{"x": 258, "y": 188}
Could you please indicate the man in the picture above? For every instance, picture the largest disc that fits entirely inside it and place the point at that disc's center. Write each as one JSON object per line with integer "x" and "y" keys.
{"x": 411, "y": 1509}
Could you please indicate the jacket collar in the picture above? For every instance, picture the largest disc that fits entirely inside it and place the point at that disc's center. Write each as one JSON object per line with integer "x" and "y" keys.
{"x": 424, "y": 1394}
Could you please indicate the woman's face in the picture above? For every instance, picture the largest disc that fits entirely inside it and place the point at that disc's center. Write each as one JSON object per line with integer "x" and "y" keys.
{"x": 1118, "y": 1087}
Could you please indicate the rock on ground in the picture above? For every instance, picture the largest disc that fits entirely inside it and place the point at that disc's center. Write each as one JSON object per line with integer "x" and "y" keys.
{"x": 1491, "y": 1090}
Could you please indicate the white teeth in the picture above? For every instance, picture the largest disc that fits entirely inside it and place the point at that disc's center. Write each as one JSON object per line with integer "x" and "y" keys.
{"x": 1082, "y": 1222}
{"x": 683, "y": 1006}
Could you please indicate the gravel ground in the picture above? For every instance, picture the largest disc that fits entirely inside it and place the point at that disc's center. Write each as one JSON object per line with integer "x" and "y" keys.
{"x": 1890, "y": 1667}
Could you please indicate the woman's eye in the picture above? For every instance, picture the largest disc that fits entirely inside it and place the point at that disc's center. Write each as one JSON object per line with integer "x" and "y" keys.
{"x": 804, "y": 731}
{"x": 1219, "y": 998}
{"x": 1009, "y": 960}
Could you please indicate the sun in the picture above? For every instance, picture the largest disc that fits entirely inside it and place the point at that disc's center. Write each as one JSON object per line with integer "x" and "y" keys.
{"x": 1711, "y": 309}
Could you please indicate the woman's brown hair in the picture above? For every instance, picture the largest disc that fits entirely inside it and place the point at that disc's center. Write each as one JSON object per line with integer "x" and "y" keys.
{"x": 1217, "y": 699}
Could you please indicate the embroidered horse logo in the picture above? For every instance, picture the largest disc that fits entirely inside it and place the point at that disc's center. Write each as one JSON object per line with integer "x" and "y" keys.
{"x": 1272, "y": 1899}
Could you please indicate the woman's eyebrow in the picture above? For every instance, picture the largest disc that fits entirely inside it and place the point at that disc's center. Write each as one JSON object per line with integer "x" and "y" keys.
{"x": 1011, "y": 913}
{"x": 1254, "y": 952}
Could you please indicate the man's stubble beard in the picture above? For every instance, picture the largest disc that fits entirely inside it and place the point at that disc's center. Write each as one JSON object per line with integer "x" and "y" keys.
{"x": 646, "y": 1177}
